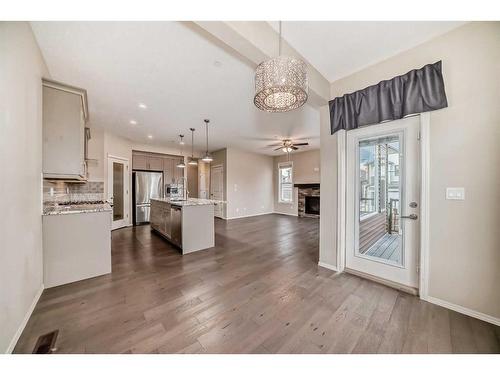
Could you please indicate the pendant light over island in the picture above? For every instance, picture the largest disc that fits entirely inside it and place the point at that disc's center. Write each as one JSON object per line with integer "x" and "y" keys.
{"x": 207, "y": 158}
{"x": 181, "y": 142}
{"x": 192, "y": 160}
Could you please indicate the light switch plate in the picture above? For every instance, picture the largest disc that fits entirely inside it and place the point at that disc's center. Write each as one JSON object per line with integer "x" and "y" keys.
{"x": 455, "y": 193}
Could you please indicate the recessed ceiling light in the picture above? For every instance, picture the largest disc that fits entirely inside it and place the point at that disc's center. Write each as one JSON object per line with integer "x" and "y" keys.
{"x": 133, "y": 122}
{"x": 143, "y": 106}
{"x": 150, "y": 136}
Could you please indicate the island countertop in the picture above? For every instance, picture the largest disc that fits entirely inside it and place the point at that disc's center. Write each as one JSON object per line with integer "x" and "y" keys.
{"x": 188, "y": 202}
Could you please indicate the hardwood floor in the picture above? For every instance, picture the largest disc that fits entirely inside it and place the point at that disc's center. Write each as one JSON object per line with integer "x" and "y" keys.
{"x": 259, "y": 290}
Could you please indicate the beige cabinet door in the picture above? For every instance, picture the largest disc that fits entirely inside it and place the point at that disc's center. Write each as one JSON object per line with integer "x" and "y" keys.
{"x": 139, "y": 162}
{"x": 168, "y": 171}
{"x": 63, "y": 134}
{"x": 155, "y": 163}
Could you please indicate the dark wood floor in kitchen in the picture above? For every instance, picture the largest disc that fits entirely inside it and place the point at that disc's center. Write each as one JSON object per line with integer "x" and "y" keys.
{"x": 258, "y": 291}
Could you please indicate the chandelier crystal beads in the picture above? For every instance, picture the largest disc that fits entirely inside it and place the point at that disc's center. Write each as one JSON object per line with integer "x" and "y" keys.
{"x": 281, "y": 83}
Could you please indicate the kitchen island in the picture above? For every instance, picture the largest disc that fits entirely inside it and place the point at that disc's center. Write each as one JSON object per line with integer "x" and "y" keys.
{"x": 188, "y": 224}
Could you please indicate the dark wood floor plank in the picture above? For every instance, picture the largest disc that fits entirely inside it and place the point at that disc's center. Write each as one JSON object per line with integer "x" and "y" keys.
{"x": 259, "y": 290}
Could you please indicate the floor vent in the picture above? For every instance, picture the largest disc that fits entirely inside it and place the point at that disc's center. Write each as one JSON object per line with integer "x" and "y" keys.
{"x": 46, "y": 344}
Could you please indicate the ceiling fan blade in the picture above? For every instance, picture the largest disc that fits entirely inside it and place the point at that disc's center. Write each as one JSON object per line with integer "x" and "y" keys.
{"x": 279, "y": 148}
{"x": 275, "y": 144}
{"x": 301, "y": 144}
{"x": 294, "y": 148}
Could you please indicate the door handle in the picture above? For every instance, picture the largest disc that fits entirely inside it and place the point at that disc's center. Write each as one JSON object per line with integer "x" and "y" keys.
{"x": 411, "y": 217}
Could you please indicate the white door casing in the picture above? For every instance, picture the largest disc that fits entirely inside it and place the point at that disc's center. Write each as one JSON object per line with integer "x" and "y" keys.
{"x": 407, "y": 131}
{"x": 122, "y": 219}
{"x": 217, "y": 188}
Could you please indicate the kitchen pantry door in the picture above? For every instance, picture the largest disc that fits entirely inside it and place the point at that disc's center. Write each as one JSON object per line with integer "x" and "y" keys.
{"x": 118, "y": 191}
{"x": 217, "y": 188}
{"x": 382, "y": 202}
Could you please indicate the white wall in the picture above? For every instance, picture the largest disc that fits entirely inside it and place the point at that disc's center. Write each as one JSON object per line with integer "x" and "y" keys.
{"x": 464, "y": 141}
{"x": 249, "y": 183}
{"x": 306, "y": 170}
{"x": 21, "y": 70}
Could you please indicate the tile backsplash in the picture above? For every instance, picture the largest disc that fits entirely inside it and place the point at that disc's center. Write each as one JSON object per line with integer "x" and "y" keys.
{"x": 59, "y": 191}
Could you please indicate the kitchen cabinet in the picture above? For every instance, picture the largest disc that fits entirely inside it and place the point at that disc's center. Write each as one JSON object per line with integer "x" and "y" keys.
{"x": 139, "y": 161}
{"x": 187, "y": 224}
{"x": 155, "y": 163}
{"x": 64, "y": 133}
{"x": 147, "y": 162}
{"x": 176, "y": 225}
{"x": 76, "y": 246}
{"x": 168, "y": 170}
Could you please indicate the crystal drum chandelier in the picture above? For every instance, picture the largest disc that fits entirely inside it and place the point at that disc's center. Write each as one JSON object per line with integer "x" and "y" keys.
{"x": 280, "y": 83}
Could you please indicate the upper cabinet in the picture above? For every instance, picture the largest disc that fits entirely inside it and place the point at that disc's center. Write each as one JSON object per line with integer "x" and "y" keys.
{"x": 152, "y": 161}
{"x": 146, "y": 161}
{"x": 65, "y": 136}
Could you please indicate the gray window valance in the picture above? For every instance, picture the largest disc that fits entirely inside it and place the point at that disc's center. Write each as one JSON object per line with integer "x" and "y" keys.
{"x": 420, "y": 90}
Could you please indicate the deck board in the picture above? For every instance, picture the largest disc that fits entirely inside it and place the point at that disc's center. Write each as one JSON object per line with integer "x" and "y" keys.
{"x": 388, "y": 248}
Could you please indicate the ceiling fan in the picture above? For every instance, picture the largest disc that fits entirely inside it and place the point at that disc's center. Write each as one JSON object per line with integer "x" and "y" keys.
{"x": 288, "y": 145}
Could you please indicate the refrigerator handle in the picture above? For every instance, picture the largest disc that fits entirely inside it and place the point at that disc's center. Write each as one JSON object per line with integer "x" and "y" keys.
{"x": 160, "y": 187}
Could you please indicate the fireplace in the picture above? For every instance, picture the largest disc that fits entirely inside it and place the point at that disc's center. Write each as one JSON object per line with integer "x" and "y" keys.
{"x": 309, "y": 200}
{"x": 312, "y": 205}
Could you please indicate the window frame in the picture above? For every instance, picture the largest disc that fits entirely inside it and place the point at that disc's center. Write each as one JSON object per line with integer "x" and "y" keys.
{"x": 281, "y": 166}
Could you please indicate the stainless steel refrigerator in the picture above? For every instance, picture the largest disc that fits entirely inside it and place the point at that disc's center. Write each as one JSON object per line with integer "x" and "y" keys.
{"x": 147, "y": 185}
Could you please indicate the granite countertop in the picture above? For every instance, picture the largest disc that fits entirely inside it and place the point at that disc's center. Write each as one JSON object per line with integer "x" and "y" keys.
{"x": 189, "y": 202}
{"x": 76, "y": 208}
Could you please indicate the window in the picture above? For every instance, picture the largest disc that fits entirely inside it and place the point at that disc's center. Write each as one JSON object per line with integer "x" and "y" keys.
{"x": 378, "y": 175}
{"x": 285, "y": 183}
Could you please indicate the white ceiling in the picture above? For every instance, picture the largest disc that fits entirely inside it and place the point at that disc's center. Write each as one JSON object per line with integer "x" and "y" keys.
{"x": 338, "y": 49}
{"x": 183, "y": 77}
{"x": 171, "y": 69}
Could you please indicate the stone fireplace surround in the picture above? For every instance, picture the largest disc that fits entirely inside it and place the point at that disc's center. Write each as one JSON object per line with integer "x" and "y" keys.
{"x": 312, "y": 190}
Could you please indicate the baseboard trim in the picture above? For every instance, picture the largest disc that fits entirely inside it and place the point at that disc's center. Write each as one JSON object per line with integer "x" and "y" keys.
{"x": 464, "y": 310}
{"x": 328, "y": 266}
{"x": 21, "y": 328}
{"x": 244, "y": 216}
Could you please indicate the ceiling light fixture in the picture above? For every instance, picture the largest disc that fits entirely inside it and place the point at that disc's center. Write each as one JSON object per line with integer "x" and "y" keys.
{"x": 150, "y": 136}
{"x": 143, "y": 106}
{"x": 280, "y": 83}
{"x": 192, "y": 160}
{"x": 181, "y": 164}
{"x": 133, "y": 122}
{"x": 207, "y": 158}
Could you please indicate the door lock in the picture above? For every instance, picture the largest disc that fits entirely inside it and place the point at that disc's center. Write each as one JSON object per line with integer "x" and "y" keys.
{"x": 411, "y": 217}
{"x": 413, "y": 204}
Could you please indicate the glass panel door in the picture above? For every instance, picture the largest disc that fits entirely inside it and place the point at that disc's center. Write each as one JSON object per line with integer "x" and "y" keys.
{"x": 379, "y": 165}
{"x": 118, "y": 188}
{"x": 382, "y": 195}
{"x": 117, "y": 191}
